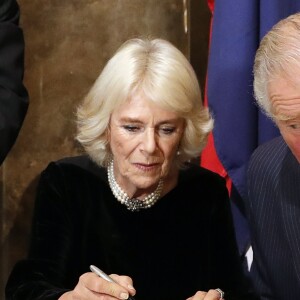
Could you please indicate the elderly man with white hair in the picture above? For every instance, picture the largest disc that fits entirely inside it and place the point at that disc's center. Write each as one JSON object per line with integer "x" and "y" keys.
{"x": 274, "y": 170}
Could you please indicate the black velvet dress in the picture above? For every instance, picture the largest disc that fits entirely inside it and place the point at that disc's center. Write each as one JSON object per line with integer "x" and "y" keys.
{"x": 184, "y": 243}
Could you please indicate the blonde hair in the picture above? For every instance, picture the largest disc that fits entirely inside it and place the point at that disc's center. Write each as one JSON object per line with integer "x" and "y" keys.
{"x": 279, "y": 50}
{"x": 164, "y": 75}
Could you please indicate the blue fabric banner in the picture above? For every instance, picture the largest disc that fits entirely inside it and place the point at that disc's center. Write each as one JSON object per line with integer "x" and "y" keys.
{"x": 237, "y": 28}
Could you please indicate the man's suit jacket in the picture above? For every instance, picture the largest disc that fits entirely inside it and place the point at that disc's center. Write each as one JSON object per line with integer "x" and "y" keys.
{"x": 13, "y": 95}
{"x": 274, "y": 216}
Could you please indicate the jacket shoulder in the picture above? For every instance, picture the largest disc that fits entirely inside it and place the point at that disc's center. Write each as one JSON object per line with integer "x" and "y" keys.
{"x": 75, "y": 166}
{"x": 268, "y": 154}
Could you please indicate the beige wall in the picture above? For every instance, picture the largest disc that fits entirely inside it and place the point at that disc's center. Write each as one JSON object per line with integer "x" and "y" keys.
{"x": 67, "y": 44}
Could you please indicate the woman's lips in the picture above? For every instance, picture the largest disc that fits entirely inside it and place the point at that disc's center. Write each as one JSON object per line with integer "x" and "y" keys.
{"x": 146, "y": 166}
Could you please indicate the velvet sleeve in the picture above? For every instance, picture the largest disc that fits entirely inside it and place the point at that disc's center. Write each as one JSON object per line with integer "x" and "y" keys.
{"x": 13, "y": 95}
{"x": 44, "y": 274}
{"x": 227, "y": 266}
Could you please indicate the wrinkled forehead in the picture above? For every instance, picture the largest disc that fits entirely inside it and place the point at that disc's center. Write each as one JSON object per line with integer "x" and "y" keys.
{"x": 284, "y": 95}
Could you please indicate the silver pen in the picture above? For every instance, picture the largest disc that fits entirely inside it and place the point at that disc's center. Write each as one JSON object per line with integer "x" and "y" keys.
{"x": 103, "y": 275}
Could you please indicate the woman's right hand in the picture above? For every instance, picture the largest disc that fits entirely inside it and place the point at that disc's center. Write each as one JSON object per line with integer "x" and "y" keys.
{"x": 92, "y": 287}
{"x": 210, "y": 295}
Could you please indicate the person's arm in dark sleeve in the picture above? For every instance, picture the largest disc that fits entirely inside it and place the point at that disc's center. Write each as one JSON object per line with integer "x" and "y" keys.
{"x": 13, "y": 94}
{"x": 254, "y": 205}
{"x": 229, "y": 275}
{"x": 43, "y": 275}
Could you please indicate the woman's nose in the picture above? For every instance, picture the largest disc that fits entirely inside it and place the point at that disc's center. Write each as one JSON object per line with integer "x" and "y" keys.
{"x": 149, "y": 143}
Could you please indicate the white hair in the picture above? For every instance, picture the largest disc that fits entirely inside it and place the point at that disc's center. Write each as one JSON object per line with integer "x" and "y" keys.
{"x": 278, "y": 53}
{"x": 164, "y": 75}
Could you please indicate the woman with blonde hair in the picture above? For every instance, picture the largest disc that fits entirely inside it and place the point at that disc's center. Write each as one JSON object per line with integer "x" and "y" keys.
{"x": 134, "y": 205}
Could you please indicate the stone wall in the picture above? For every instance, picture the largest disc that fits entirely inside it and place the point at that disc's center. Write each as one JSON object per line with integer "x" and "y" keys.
{"x": 67, "y": 44}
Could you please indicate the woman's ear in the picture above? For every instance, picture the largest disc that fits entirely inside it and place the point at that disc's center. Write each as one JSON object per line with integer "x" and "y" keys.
{"x": 108, "y": 131}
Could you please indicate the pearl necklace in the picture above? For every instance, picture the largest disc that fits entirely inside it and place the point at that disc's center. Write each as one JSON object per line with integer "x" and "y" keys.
{"x": 133, "y": 204}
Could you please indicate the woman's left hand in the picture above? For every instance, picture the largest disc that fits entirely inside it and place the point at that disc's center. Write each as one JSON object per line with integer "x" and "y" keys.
{"x": 210, "y": 295}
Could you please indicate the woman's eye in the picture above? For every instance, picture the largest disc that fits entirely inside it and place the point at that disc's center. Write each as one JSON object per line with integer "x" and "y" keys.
{"x": 131, "y": 128}
{"x": 167, "y": 130}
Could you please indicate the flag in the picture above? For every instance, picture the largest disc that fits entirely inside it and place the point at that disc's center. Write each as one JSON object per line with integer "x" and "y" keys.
{"x": 237, "y": 28}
